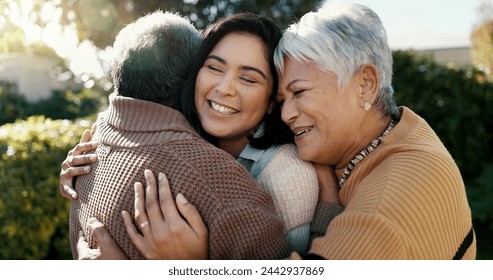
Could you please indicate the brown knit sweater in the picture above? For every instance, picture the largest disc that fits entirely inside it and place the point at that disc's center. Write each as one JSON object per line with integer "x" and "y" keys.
{"x": 405, "y": 200}
{"x": 135, "y": 135}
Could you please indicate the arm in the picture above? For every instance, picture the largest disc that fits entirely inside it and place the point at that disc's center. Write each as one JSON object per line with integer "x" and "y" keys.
{"x": 329, "y": 205}
{"x": 76, "y": 163}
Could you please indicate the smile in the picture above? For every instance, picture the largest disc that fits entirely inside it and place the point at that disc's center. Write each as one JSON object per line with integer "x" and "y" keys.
{"x": 303, "y": 131}
{"x": 222, "y": 109}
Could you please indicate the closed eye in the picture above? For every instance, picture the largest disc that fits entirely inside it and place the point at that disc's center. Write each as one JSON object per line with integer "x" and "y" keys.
{"x": 248, "y": 80}
{"x": 214, "y": 68}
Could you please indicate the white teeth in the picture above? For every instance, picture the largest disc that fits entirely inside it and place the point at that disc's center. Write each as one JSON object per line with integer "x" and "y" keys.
{"x": 302, "y": 131}
{"x": 222, "y": 109}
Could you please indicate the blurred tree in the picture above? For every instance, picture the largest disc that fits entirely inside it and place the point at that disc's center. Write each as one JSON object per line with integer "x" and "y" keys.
{"x": 482, "y": 48}
{"x": 482, "y": 39}
{"x": 100, "y": 20}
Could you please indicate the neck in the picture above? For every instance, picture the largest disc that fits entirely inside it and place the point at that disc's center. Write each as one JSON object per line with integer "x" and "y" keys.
{"x": 369, "y": 130}
{"x": 232, "y": 146}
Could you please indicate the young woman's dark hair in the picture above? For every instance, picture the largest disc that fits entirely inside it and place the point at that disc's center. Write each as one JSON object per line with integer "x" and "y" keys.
{"x": 276, "y": 132}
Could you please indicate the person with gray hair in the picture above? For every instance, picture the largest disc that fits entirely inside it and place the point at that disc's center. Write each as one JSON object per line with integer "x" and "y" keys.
{"x": 402, "y": 192}
{"x": 142, "y": 130}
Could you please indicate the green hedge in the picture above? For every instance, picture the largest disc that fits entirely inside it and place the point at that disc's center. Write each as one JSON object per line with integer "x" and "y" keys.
{"x": 34, "y": 216}
{"x": 61, "y": 104}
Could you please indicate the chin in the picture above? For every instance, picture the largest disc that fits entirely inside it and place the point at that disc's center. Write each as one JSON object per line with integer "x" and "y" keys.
{"x": 304, "y": 155}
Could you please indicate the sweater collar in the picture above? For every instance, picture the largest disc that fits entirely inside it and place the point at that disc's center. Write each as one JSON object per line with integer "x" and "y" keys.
{"x": 137, "y": 115}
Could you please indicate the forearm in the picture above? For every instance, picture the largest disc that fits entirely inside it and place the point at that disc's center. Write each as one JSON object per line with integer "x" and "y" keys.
{"x": 324, "y": 214}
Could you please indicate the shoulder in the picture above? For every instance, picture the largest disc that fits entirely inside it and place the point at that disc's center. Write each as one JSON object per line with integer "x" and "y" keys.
{"x": 286, "y": 158}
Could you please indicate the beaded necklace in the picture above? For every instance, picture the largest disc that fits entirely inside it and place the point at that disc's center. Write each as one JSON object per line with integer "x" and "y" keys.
{"x": 361, "y": 155}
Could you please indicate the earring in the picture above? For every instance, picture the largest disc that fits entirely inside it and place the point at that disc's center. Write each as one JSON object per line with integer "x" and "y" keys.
{"x": 367, "y": 105}
{"x": 269, "y": 111}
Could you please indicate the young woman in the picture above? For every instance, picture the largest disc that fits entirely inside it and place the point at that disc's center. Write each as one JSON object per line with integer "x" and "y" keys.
{"x": 230, "y": 99}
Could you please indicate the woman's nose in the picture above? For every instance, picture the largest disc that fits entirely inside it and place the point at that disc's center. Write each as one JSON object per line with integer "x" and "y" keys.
{"x": 289, "y": 111}
{"x": 226, "y": 86}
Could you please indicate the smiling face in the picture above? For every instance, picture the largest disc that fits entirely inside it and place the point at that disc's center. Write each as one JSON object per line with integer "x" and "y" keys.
{"x": 233, "y": 88}
{"x": 324, "y": 119}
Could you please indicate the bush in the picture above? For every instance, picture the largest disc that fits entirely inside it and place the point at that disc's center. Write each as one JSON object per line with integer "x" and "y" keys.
{"x": 12, "y": 105}
{"x": 61, "y": 105}
{"x": 458, "y": 105}
{"x": 34, "y": 216}
{"x": 68, "y": 105}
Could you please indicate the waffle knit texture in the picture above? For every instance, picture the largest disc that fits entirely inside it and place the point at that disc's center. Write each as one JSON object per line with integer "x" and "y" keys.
{"x": 405, "y": 200}
{"x": 293, "y": 185}
{"x": 136, "y": 135}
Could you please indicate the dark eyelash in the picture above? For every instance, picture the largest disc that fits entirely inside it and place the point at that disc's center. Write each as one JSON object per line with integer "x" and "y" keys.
{"x": 213, "y": 68}
{"x": 248, "y": 80}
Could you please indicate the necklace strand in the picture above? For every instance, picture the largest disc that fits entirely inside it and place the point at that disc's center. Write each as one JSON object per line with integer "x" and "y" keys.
{"x": 361, "y": 155}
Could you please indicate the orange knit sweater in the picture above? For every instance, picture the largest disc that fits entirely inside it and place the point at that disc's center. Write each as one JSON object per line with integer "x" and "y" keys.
{"x": 406, "y": 200}
{"x": 135, "y": 135}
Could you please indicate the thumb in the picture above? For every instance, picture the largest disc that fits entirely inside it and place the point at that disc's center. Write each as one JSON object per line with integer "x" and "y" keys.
{"x": 86, "y": 136}
{"x": 99, "y": 232}
{"x": 192, "y": 215}
{"x": 106, "y": 244}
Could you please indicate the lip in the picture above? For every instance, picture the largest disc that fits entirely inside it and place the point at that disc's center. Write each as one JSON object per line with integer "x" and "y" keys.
{"x": 222, "y": 108}
{"x": 301, "y": 131}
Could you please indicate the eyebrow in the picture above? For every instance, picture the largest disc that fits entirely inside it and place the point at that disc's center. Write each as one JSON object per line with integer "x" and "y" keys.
{"x": 292, "y": 82}
{"x": 244, "y": 67}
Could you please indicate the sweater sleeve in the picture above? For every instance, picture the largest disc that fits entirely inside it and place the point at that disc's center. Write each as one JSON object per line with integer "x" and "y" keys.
{"x": 324, "y": 214}
{"x": 246, "y": 232}
{"x": 292, "y": 183}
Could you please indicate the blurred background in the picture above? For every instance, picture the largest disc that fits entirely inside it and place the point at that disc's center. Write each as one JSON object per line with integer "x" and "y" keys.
{"x": 54, "y": 63}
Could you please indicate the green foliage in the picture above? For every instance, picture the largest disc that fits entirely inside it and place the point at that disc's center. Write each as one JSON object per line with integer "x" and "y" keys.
{"x": 61, "y": 105}
{"x": 459, "y": 107}
{"x": 68, "y": 105}
{"x": 12, "y": 105}
{"x": 34, "y": 216}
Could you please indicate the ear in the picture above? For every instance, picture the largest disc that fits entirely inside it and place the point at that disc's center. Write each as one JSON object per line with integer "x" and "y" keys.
{"x": 270, "y": 107}
{"x": 369, "y": 81}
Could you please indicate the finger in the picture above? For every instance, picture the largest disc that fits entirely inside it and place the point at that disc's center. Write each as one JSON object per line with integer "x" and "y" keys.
{"x": 79, "y": 160}
{"x": 86, "y": 136}
{"x": 166, "y": 200}
{"x": 84, "y": 147}
{"x": 94, "y": 128}
{"x": 152, "y": 206}
{"x": 107, "y": 246}
{"x": 68, "y": 192}
{"x": 67, "y": 175}
{"x": 82, "y": 245}
{"x": 134, "y": 235}
{"x": 140, "y": 209}
{"x": 99, "y": 232}
{"x": 66, "y": 182}
{"x": 191, "y": 215}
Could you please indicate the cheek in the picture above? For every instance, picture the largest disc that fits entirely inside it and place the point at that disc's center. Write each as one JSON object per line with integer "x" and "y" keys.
{"x": 201, "y": 86}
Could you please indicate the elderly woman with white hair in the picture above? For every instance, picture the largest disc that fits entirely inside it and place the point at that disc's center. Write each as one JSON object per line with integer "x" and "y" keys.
{"x": 403, "y": 194}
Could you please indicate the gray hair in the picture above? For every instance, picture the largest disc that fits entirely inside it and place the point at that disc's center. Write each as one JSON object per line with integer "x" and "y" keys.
{"x": 341, "y": 39}
{"x": 152, "y": 56}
